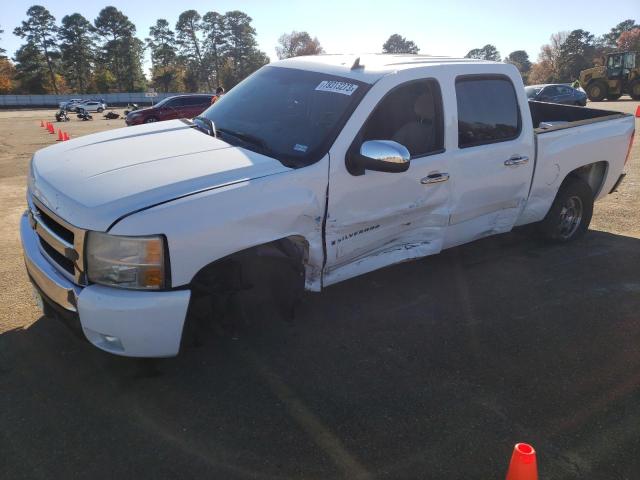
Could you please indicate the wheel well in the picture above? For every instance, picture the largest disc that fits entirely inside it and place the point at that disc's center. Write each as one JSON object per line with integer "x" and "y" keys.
{"x": 292, "y": 250}
{"x": 271, "y": 272}
{"x": 593, "y": 174}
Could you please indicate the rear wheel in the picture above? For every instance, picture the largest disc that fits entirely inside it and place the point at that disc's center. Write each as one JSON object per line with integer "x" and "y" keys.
{"x": 570, "y": 213}
{"x": 634, "y": 90}
{"x": 597, "y": 91}
{"x": 100, "y": 109}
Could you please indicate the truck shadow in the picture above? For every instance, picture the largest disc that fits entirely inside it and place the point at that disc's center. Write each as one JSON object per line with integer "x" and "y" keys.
{"x": 429, "y": 369}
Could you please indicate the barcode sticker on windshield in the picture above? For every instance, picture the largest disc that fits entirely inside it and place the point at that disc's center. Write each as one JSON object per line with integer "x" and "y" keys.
{"x": 337, "y": 87}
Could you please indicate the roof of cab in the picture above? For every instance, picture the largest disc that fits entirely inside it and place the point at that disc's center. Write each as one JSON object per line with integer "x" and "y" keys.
{"x": 369, "y": 67}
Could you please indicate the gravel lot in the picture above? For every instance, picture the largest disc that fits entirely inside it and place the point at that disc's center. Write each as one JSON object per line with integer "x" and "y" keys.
{"x": 431, "y": 369}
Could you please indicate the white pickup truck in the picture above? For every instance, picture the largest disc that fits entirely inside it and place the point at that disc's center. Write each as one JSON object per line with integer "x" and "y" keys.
{"x": 311, "y": 171}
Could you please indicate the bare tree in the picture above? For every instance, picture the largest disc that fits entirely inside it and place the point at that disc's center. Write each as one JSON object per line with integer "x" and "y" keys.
{"x": 296, "y": 44}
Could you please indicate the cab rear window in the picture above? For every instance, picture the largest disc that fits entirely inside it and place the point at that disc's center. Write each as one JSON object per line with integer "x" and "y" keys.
{"x": 487, "y": 110}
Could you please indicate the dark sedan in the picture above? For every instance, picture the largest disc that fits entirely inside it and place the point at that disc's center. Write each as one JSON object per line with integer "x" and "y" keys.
{"x": 556, "y": 93}
{"x": 180, "y": 106}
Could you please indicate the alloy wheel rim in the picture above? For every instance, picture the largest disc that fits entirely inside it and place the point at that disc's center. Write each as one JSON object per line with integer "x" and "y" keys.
{"x": 570, "y": 217}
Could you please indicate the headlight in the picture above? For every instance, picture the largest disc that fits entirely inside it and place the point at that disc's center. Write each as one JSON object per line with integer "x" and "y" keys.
{"x": 126, "y": 262}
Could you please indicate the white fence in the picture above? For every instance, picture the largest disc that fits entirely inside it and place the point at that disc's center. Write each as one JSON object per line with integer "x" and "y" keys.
{"x": 15, "y": 101}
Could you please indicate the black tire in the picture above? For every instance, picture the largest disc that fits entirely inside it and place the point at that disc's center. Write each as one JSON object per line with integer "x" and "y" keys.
{"x": 597, "y": 91}
{"x": 150, "y": 120}
{"x": 614, "y": 97}
{"x": 100, "y": 110}
{"x": 634, "y": 90}
{"x": 570, "y": 214}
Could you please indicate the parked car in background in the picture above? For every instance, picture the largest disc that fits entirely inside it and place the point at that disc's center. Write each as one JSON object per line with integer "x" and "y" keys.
{"x": 92, "y": 106}
{"x": 70, "y": 105}
{"x": 556, "y": 93}
{"x": 180, "y": 106}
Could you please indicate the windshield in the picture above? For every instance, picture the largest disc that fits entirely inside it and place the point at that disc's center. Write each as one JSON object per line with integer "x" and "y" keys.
{"x": 291, "y": 115}
{"x": 532, "y": 91}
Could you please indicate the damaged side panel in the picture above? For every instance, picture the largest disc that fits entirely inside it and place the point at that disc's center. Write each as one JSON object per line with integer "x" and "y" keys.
{"x": 241, "y": 217}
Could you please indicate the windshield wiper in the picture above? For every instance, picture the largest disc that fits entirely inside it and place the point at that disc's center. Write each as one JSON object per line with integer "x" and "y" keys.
{"x": 247, "y": 138}
{"x": 209, "y": 128}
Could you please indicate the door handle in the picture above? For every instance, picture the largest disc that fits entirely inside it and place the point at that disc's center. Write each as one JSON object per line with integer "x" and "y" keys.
{"x": 435, "y": 178}
{"x": 516, "y": 160}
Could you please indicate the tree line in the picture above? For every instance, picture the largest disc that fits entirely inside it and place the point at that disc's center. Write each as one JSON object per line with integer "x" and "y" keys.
{"x": 560, "y": 61}
{"x": 201, "y": 52}
{"x": 567, "y": 53}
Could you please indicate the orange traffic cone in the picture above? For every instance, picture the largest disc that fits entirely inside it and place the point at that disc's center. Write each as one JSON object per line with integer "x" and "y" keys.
{"x": 60, "y": 136}
{"x": 638, "y": 112}
{"x": 523, "y": 464}
{"x": 66, "y": 137}
{"x": 52, "y": 129}
{"x": 46, "y": 126}
{"x": 41, "y": 123}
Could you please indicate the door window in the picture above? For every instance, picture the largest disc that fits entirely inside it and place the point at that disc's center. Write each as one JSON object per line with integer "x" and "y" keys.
{"x": 192, "y": 101}
{"x": 487, "y": 110}
{"x": 410, "y": 115}
{"x": 615, "y": 61}
{"x": 175, "y": 103}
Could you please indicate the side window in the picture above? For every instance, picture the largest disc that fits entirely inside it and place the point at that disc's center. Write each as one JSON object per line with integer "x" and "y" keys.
{"x": 193, "y": 101}
{"x": 549, "y": 92}
{"x": 410, "y": 115}
{"x": 630, "y": 60}
{"x": 176, "y": 102}
{"x": 487, "y": 110}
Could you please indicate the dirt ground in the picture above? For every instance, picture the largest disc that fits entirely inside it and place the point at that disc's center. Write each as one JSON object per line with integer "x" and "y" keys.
{"x": 431, "y": 369}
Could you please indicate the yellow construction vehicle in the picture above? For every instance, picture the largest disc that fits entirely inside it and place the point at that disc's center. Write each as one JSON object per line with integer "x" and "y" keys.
{"x": 619, "y": 75}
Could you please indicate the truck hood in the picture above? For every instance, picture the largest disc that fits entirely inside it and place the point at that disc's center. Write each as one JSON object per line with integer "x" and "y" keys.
{"x": 94, "y": 180}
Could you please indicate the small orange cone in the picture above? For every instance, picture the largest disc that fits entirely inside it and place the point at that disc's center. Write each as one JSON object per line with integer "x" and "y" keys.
{"x": 60, "y": 136}
{"x": 41, "y": 123}
{"x": 52, "y": 129}
{"x": 638, "y": 112}
{"x": 46, "y": 126}
{"x": 66, "y": 137}
{"x": 523, "y": 464}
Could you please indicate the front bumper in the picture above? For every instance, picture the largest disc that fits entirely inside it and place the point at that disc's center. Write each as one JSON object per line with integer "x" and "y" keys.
{"x": 123, "y": 322}
{"x": 131, "y": 122}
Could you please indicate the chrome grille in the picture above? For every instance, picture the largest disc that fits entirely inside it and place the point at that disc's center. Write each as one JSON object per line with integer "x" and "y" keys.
{"x": 61, "y": 242}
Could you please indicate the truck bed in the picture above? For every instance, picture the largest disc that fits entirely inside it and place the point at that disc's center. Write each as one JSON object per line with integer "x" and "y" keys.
{"x": 575, "y": 137}
{"x": 554, "y": 116}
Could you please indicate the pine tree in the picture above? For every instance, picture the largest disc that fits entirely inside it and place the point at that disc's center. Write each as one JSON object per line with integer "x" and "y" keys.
{"x": 40, "y": 31}
{"x": 78, "y": 47}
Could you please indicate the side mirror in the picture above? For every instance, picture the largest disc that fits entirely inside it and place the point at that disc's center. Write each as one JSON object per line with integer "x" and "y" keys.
{"x": 380, "y": 156}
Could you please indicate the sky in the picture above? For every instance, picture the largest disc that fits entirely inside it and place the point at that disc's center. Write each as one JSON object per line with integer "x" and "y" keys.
{"x": 447, "y": 27}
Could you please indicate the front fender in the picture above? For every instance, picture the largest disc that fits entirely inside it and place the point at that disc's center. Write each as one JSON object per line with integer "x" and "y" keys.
{"x": 211, "y": 225}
